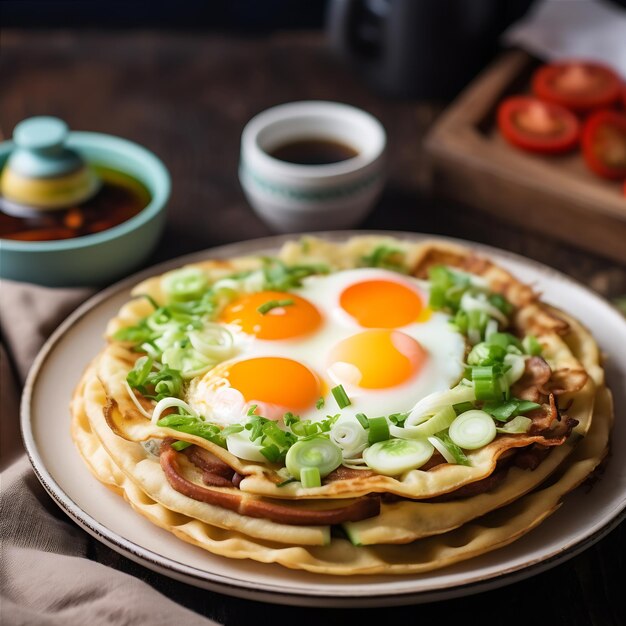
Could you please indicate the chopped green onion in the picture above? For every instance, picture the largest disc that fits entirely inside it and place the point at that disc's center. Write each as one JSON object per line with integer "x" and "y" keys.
{"x": 489, "y": 384}
{"x": 341, "y": 397}
{"x": 439, "y": 421}
{"x": 272, "y": 453}
{"x": 310, "y": 477}
{"x": 378, "y": 430}
{"x": 193, "y": 425}
{"x": 442, "y": 449}
{"x": 509, "y": 409}
{"x": 169, "y": 403}
{"x": 461, "y": 407}
{"x": 239, "y": 444}
{"x": 281, "y": 277}
{"x": 398, "y": 419}
{"x": 138, "y": 376}
{"x": 504, "y": 340}
{"x": 187, "y": 360}
{"x": 486, "y": 354}
{"x": 386, "y": 257}
{"x": 350, "y": 436}
{"x": 437, "y": 298}
{"x": 473, "y": 429}
{"x": 520, "y": 424}
{"x": 135, "y": 334}
{"x": 273, "y": 304}
{"x": 396, "y": 456}
{"x": 501, "y": 303}
{"x": 526, "y": 405}
{"x": 181, "y": 445}
{"x": 362, "y": 419}
{"x": 184, "y": 284}
{"x": 531, "y": 345}
{"x": 501, "y": 412}
{"x": 320, "y": 403}
{"x": 289, "y": 419}
{"x": 455, "y": 451}
{"x": 309, "y": 428}
{"x": 318, "y": 452}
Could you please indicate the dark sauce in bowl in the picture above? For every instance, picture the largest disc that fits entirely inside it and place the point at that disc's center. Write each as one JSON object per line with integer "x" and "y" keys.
{"x": 313, "y": 151}
{"x": 119, "y": 198}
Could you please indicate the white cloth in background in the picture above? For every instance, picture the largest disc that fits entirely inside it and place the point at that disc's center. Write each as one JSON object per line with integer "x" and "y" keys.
{"x": 586, "y": 29}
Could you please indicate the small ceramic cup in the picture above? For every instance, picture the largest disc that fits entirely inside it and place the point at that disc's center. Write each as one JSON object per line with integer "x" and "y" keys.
{"x": 292, "y": 197}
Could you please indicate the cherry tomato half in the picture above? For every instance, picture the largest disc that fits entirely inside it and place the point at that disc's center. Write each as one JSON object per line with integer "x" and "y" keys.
{"x": 604, "y": 144}
{"x": 578, "y": 85}
{"x": 538, "y": 126}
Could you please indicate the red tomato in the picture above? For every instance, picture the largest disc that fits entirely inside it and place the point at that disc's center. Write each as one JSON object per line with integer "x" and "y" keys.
{"x": 578, "y": 85}
{"x": 537, "y": 126}
{"x": 604, "y": 144}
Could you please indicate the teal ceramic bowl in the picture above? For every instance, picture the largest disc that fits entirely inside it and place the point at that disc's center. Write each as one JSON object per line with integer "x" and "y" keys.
{"x": 98, "y": 259}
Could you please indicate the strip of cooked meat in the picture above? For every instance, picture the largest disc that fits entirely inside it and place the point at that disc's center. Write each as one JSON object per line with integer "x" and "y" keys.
{"x": 253, "y": 506}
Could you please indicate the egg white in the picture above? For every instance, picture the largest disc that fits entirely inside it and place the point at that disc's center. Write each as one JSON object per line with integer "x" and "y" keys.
{"x": 218, "y": 402}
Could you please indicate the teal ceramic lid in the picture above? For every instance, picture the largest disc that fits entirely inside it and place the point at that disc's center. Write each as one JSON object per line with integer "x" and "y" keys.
{"x": 42, "y": 172}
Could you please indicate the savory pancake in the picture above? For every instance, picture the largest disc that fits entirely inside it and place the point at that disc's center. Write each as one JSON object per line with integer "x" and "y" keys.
{"x": 490, "y": 532}
{"x": 406, "y": 393}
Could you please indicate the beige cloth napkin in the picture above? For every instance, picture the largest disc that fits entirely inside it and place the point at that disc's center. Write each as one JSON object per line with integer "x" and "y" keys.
{"x": 47, "y": 576}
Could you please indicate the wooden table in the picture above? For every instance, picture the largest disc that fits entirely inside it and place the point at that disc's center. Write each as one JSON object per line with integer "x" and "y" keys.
{"x": 187, "y": 97}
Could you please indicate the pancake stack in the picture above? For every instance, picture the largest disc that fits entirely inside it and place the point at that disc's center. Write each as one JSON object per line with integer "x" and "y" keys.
{"x": 452, "y": 506}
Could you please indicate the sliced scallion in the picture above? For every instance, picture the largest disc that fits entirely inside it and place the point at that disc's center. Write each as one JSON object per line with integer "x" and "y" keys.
{"x": 240, "y": 445}
{"x": 341, "y": 397}
{"x": 453, "y": 449}
{"x": 396, "y": 456}
{"x": 184, "y": 284}
{"x": 310, "y": 477}
{"x": 266, "y": 307}
{"x": 319, "y": 452}
{"x": 350, "y": 436}
{"x": 362, "y": 419}
{"x": 472, "y": 430}
{"x": 439, "y": 421}
{"x": 378, "y": 430}
{"x": 531, "y": 345}
{"x": 519, "y": 424}
{"x": 181, "y": 445}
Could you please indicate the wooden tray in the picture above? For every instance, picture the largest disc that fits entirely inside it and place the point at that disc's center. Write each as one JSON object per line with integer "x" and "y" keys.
{"x": 556, "y": 195}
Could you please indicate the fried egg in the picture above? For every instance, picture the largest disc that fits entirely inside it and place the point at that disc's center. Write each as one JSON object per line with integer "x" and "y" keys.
{"x": 369, "y": 330}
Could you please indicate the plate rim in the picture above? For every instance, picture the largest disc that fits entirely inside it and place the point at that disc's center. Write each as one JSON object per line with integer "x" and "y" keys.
{"x": 222, "y": 583}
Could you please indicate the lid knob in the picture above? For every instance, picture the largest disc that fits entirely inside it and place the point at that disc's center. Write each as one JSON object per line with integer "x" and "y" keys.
{"x": 42, "y": 173}
{"x": 41, "y": 133}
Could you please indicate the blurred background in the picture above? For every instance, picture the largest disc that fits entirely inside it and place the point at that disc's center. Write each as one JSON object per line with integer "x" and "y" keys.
{"x": 183, "y": 78}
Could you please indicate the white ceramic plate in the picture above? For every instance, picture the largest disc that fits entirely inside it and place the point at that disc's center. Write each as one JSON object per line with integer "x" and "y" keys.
{"x": 584, "y": 518}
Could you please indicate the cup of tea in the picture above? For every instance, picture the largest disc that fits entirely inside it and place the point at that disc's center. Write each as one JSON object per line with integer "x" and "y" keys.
{"x": 312, "y": 165}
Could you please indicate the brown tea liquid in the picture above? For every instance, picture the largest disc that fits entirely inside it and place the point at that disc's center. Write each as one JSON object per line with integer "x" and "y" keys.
{"x": 120, "y": 198}
{"x": 313, "y": 152}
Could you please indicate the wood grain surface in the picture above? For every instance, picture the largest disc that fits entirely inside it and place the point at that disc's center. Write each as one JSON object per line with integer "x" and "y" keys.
{"x": 187, "y": 96}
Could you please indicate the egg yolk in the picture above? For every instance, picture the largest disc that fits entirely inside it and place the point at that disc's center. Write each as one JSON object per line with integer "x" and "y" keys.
{"x": 272, "y": 315}
{"x": 381, "y": 303}
{"x": 275, "y": 380}
{"x": 376, "y": 359}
